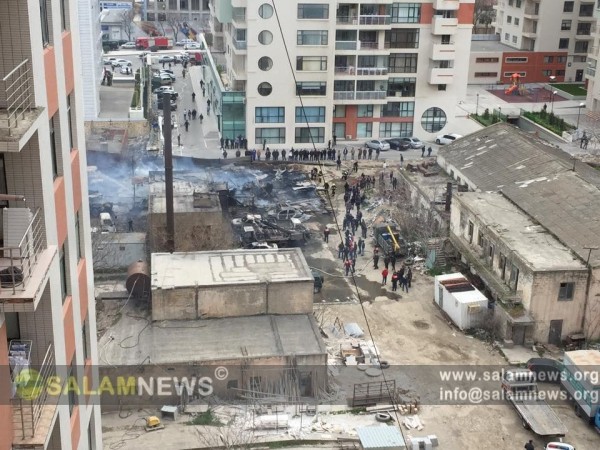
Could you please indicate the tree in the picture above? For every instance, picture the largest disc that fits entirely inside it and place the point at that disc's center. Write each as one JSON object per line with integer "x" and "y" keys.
{"x": 127, "y": 22}
{"x": 175, "y": 24}
{"x": 483, "y": 14}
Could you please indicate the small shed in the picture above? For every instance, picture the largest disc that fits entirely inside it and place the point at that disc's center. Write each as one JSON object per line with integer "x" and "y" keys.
{"x": 460, "y": 300}
{"x": 382, "y": 437}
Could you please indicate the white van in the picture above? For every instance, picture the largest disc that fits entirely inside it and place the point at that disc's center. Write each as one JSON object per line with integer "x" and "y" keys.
{"x": 106, "y": 223}
{"x": 559, "y": 446}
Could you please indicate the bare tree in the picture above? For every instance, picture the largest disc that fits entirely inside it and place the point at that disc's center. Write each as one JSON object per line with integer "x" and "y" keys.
{"x": 160, "y": 25}
{"x": 175, "y": 24}
{"x": 127, "y": 22}
{"x": 483, "y": 14}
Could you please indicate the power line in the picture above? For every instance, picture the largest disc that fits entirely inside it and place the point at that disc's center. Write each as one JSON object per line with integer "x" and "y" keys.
{"x": 337, "y": 225}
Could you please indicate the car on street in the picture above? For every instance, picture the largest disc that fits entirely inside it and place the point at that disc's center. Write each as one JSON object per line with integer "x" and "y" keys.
{"x": 128, "y": 45}
{"x": 169, "y": 74}
{"x": 120, "y": 63}
{"x": 445, "y": 139}
{"x": 192, "y": 46}
{"x": 161, "y": 90}
{"x": 166, "y": 59}
{"x": 398, "y": 144}
{"x": 413, "y": 142}
{"x": 126, "y": 70}
{"x": 377, "y": 144}
{"x": 107, "y": 61}
{"x": 163, "y": 79}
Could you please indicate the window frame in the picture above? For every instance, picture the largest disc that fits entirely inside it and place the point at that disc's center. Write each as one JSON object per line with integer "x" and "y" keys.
{"x": 45, "y": 23}
{"x": 566, "y": 291}
{"x": 302, "y": 137}
{"x": 319, "y": 88}
{"x": 310, "y": 114}
{"x": 269, "y": 114}
{"x": 302, "y": 61}
{"x": 322, "y": 36}
{"x": 303, "y": 8}
{"x": 276, "y": 138}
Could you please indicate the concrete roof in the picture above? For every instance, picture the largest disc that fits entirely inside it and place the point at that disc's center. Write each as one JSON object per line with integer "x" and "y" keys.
{"x": 124, "y": 238}
{"x": 382, "y": 436}
{"x": 529, "y": 240}
{"x": 186, "y": 198}
{"x": 228, "y": 267}
{"x": 490, "y": 46}
{"x": 192, "y": 341}
{"x": 567, "y": 205}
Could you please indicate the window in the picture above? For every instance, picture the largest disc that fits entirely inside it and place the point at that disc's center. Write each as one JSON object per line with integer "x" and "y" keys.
{"x": 565, "y": 291}
{"x": 510, "y": 2}
{"x": 364, "y": 129}
{"x": 514, "y": 39}
{"x": 265, "y": 63}
{"x": 506, "y": 36}
{"x": 265, "y": 11}
{"x": 487, "y": 60}
{"x": 64, "y": 15}
{"x": 502, "y": 266}
{"x": 586, "y": 10}
{"x": 548, "y": 59}
{"x": 568, "y": 7}
{"x": 584, "y": 29}
{"x": 54, "y": 150}
{"x": 270, "y": 135}
{"x": 470, "y": 232}
{"x": 264, "y": 37}
{"x": 509, "y": 74}
{"x": 311, "y": 88}
{"x": 398, "y": 109}
{"x": 480, "y": 238}
{"x": 546, "y": 73}
{"x": 195, "y": 5}
{"x": 365, "y": 111}
{"x": 339, "y": 111}
{"x": 183, "y": 5}
{"x": 508, "y": 19}
{"x": 45, "y": 25}
{"x": 403, "y": 63}
{"x": 513, "y": 281}
{"x": 309, "y": 135}
{"x": 84, "y": 340}
{"x": 265, "y": 89}
{"x": 433, "y": 119}
{"x": 581, "y": 46}
{"x": 518, "y": 3}
{"x": 78, "y": 235}
{"x": 565, "y": 25}
{"x": 486, "y": 74}
{"x": 561, "y": 59}
{"x": 401, "y": 87}
{"x": 406, "y": 12}
{"x": 314, "y": 114}
{"x": 316, "y": 37}
{"x": 269, "y": 114}
{"x": 395, "y": 129}
{"x": 441, "y": 87}
{"x": 515, "y": 60}
{"x": 516, "y": 21}
{"x": 70, "y": 123}
{"x": 402, "y": 38}
{"x": 313, "y": 11}
{"x": 560, "y": 73}
{"x": 311, "y": 63}
{"x": 72, "y": 388}
{"x": 63, "y": 274}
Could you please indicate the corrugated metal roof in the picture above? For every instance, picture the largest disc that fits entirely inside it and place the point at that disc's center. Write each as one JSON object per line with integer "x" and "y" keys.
{"x": 381, "y": 437}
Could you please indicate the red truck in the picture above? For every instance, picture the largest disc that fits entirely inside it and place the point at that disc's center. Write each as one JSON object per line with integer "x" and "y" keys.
{"x": 154, "y": 43}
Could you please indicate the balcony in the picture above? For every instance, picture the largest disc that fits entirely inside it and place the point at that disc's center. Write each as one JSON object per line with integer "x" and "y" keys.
{"x": 346, "y": 20}
{"x": 441, "y": 76}
{"x": 446, "y": 4}
{"x": 532, "y": 11}
{"x": 365, "y": 45}
{"x": 359, "y": 95}
{"x": 25, "y": 259}
{"x": 346, "y": 45}
{"x": 239, "y": 45}
{"x": 443, "y": 52}
{"x": 374, "y": 20}
{"x": 239, "y": 20}
{"x": 441, "y": 25}
{"x": 18, "y": 114}
{"x": 33, "y": 417}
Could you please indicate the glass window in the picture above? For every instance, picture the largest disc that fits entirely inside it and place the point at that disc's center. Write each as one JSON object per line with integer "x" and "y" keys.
{"x": 401, "y": 87}
{"x": 560, "y": 73}
{"x": 84, "y": 340}
{"x": 508, "y": 19}
{"x": 402, "y": 38}
{"x": 64, "y": 14}
{"x": 582, "y": 46}
{"x": 514, "y": 39}
{"x": 312, "y": 37}
{"x": 311, "y": 63}
{"x": 516, "y": 21}
{"x": 506, "y": 36}
{"x": 565, "y": 291}
{"x": 311, "y": 88}
{"x": 515, "y": 59}
{"x": 365, "y": 111}
{"x": 339, "y": 111}
{"x": 398, "y": 109}
{"x": 364, "y": 130}
{"x": 45, "y": 25}
{"x": 78, "y": 235}
{"x": 270, "y": 135}
{"x": 510, "y": 2}
{"x": 265, "y": 11}
{"x": 565, "y": 25}
{"x": 265, "y": 89}
{"x": 561, "y": 59}
{"x": 403, "y": 63}
{"x": 265, "y": 63}
{"x": 309, "y": 135}
{"x": 72, "y": 392}
{"x": 70, "y": 123}
{"x": 546, "y": 73}
{"x": 64, "y": 284}
{"x": 406, "y": 12}
{"x": 56, "y": 169}
{"x": 265, "y": 37}
{"x": 568, "y": 6}
{"x": 195, "y": 5}
{"x": 563, "y": 43}
{"x": 395, "y": 129}
{"x": 548, "y": 59}
{"x": 269, "y": 114}
{"x": 518, "y": 3}
{"x": 314, "y": 114}
{"x": 433, "y": 120}
{"x": 313, "y": 11}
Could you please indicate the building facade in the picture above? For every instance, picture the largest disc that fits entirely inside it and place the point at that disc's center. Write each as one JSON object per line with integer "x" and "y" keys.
{"x": 90, "y": 38}
{"x": 349, "y": 69}
{"x": 592, "y": 74}
{"x": 196, "y": 12}
{"x": 47, "y": 312}
{"x": 549, "y": 26}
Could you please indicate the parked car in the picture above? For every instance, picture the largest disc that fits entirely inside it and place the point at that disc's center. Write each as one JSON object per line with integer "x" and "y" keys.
{"x": 413, "y": 142}
{"x": 169, "y": 74}
{"x": 378, "y": 144}
{"x": 165, "y": 59}
{"x": 120, "y": 63}
{"x": 163, "y": 79}
{"x": 159, "y": 104}
{"x": 192, "y": 46}
{"x": 546, "y": 370}
{"x": 161, "y": 90}
{"x": 128, "y": 45}
{"x": 398, "y": 144}
{"x": 444, "y": 139}
{"x": 126, "y": 70}
{"x": 108, "y": 61}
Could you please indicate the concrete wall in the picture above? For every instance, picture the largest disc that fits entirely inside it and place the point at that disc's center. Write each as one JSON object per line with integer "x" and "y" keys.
{"x": 115, "y": 255}
{"x": 591, "y": 325}
{"x": 236, "y": 300}
{"x": 485, "y": 67}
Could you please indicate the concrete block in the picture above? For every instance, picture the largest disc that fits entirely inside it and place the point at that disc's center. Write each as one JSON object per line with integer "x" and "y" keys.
{"x": 428, "y": 445}
{"x": 508, "y": 343}
{"x": 434, "y": 440}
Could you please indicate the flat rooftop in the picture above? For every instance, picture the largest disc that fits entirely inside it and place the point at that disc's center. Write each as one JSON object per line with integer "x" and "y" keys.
{"x": 123, "y": 238}
{"x": 228, "y": 267}
{"x": 195, "y": 341}
{"x": 184, "y": 202}
{"x": 491, "y": 46}
{"x": 529, "y": 240}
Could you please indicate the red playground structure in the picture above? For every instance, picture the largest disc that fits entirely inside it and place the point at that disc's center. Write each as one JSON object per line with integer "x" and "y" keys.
{"x": 516, "y": 87}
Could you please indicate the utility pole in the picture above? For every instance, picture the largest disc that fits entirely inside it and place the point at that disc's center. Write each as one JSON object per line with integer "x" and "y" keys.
{"x": 168, "y": 154}
{"x": 587, "y": 285}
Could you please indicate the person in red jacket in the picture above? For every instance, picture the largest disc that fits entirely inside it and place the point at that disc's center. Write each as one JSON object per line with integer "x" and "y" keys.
{"x": 384, "y": 274}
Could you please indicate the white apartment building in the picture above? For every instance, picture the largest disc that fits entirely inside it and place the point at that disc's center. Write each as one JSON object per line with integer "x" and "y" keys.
{"x": 549, "y": 26}
{"x": 90, "y": 38}
{"x": 359, "y": 69}
{"x": 593, "y": 74}
{"x": 47, "y": 305}
{"x": 194, "y": 12}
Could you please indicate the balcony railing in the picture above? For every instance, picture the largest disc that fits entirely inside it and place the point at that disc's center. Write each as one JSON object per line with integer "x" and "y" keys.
{"x": 19, "y": 261}
{"x": 347, "y": 20}
{"x": 374, "y": 20}
{"x": 346, "y": 45}
{"x": 368, "y": 45}
{"x": 351, "y": 70}
{"x": 359, "y": 95}
{"x": 240, "y": 45}
{"x": 32, "y": 404}
{"x": 17, "y": 95}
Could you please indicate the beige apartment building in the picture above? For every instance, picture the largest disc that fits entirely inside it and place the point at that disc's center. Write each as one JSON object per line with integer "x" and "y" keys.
{"x": 592, "y": 74}
{"x": 550, "y": 26}
{"x": 47, "y": 312}
{"x": 356, "y": 70}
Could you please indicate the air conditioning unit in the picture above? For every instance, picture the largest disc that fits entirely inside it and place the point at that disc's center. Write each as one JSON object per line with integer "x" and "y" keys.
{"x": 348, "y": 137}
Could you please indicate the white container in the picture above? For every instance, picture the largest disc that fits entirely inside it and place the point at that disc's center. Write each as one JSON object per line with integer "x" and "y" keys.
{"x": 465, "y": 305}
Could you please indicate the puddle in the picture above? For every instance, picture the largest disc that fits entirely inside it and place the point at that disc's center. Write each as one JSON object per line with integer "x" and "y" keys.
{"x": 421, "y": 324}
